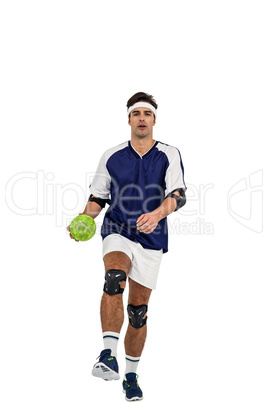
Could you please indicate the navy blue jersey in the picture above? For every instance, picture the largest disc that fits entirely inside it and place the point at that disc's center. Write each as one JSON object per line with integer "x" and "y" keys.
{"x": 136, "y": 185}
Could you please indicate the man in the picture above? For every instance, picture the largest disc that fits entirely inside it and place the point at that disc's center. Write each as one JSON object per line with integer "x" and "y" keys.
{"x": 143, "y": 181}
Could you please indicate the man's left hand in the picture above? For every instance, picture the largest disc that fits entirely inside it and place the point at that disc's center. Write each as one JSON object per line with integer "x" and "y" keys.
{"x": 147, "y": 223}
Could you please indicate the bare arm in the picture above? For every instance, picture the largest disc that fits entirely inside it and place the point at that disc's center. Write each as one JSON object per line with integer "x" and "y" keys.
{"x": 92, "y": 209}
{"x": 147, "y": 223}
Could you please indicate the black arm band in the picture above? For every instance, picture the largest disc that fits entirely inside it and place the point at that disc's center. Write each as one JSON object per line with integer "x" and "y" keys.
{"x": 100, "y": 201}
{"x": 181, "y": 200}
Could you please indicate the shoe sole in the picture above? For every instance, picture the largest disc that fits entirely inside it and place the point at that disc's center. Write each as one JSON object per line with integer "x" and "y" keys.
{"x": 100, "y": 370}
{"x": 135, "y": 398}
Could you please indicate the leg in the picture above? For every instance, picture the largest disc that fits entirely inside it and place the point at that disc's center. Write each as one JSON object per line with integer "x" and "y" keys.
{"x": 112, "y": 314}
{"x": 135, "y": 338}
{"x": 112, "y": 310}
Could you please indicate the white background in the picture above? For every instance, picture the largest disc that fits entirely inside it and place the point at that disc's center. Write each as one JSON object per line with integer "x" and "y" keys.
{"x": 67, "y": 71}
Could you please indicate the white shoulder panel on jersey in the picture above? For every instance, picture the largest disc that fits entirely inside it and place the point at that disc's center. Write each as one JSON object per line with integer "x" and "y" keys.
{"x": 174, "y": 174}
{"x": 100, "y": 186}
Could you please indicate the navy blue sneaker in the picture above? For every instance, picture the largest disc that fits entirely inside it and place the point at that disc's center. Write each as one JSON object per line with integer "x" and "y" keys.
{"x": 107, "y": 366}
{"x": 131, "y": 388}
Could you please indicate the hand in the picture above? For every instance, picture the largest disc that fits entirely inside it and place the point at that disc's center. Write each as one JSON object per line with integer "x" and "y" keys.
{"x": 68, "y": 228}
{"x": 147, "y": 223}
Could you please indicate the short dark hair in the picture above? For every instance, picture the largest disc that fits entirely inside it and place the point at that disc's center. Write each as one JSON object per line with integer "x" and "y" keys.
{"x": 142, "y": 96}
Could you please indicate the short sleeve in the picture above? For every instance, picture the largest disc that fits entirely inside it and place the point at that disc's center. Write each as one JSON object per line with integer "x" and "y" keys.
{"x": 101, "y": 184}
{"x": 175, "y": 172}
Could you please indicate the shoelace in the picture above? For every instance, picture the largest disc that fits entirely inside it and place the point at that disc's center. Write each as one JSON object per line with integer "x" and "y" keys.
{"x": 133, "y": 382}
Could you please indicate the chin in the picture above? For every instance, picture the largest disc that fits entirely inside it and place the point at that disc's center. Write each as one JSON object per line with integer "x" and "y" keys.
{"x": 142, "y": 135}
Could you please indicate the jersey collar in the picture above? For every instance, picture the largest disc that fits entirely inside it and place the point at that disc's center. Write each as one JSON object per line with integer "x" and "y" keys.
{"x": 133, "y": 150}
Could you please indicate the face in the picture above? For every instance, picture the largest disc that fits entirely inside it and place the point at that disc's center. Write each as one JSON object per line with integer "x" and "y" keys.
{"x": 141, "y": 121}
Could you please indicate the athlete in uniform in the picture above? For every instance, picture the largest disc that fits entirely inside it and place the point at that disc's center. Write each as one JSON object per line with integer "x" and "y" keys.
{"x": 143, "y": 181}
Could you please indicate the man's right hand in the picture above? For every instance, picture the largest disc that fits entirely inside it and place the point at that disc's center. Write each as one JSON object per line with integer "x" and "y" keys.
{"x": 92, "y": 209}
{"x": 68, "y": 228}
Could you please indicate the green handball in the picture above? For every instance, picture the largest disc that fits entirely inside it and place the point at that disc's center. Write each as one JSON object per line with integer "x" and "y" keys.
{"x": 83, "y": 227}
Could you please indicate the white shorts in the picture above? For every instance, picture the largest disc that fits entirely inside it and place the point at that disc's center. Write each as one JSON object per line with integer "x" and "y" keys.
{"x": 145, "y": 263}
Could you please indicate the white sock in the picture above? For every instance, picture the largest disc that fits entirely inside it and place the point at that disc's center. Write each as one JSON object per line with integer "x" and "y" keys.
{"x": 110, "y": 340}
{"x": 131, "y": 364}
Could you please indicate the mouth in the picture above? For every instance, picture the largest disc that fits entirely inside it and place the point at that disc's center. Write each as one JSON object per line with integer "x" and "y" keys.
{"x": 142, "y": 126}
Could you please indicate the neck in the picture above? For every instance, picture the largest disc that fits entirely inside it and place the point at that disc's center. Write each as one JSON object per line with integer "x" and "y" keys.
{"x": 142, "y": 145}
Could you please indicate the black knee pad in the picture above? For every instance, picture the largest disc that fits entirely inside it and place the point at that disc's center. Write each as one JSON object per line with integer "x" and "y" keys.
{"x": 113, "y": 279}
{"x": 136, "y": 315}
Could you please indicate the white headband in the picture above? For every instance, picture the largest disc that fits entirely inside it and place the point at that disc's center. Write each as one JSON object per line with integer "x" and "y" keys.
{"x": 142, "y": 104}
